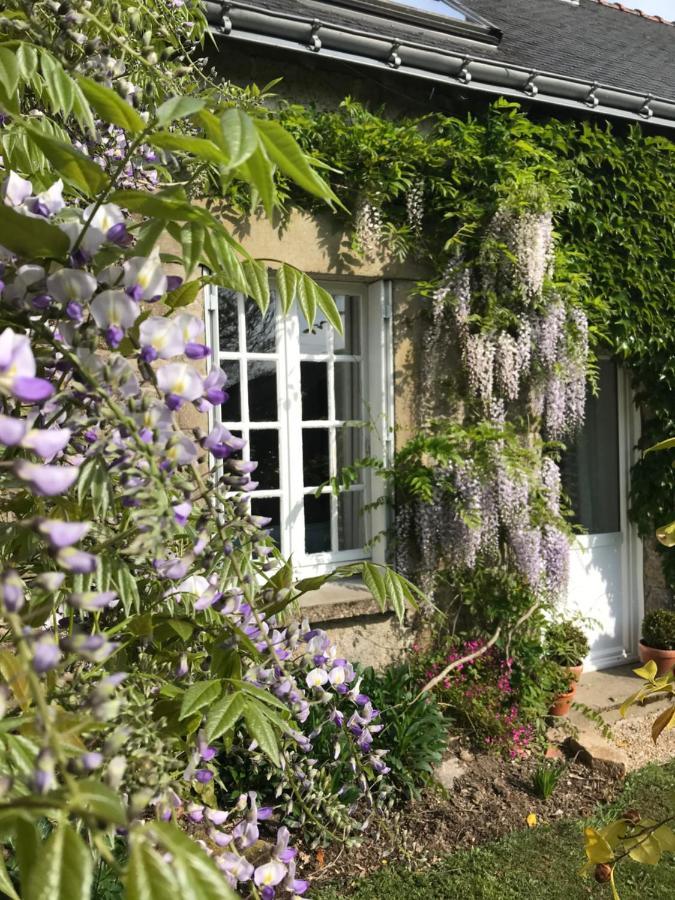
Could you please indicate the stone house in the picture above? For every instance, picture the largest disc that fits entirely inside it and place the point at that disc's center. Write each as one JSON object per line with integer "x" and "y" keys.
{"x": 292, "y": 390}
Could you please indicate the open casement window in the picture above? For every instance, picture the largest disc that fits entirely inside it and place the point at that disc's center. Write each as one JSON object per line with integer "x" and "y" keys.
{"x": 310, "y": 402}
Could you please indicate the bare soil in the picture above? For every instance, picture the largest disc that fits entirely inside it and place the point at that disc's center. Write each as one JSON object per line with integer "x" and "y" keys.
{"x": 493, "y": 798}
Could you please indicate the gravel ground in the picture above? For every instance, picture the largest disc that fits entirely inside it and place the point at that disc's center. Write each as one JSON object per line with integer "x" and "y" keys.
{"x": 634, "y": 737}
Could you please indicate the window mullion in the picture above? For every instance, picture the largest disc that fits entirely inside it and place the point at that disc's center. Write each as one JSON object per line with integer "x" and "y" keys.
{"x": 292, "y": 411}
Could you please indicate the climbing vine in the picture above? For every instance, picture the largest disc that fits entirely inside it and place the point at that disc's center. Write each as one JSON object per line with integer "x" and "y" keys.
{"x": 596, "y": 203}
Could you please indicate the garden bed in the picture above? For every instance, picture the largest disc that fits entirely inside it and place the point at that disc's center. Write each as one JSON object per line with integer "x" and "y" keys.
{"x": 542, "y": 862}
{"x": 493, "y": 798}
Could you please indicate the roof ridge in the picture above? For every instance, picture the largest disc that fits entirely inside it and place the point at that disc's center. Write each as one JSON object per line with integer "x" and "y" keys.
{"x": 633, "y": 12}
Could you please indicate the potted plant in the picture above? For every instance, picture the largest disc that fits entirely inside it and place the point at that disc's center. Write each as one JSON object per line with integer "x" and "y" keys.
{"x": 658, "y": 639}
{"x": 566, "y": 645}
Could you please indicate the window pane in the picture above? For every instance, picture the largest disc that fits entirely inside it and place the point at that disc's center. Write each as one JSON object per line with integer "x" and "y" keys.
{"x": 227, "y": 320}
{"x": 314, "y": 387}
{"x": 230, "y": 411}
{"x": 349, "y": 446}
{"x": 590, "y": 467}
{"x": 264, "y": 446}
{"x": 314, "y": 340}
{"x": 270, "y": 507}
{"x": 260, "y": 330}
{"x": 262, "y": 391}
{"x": 348, "y": 405}
{"x": 317, "y": 524}
{"x": 350, "y": 312}
{"x": 351, "y": 534}
{"x": 315, "y": 460}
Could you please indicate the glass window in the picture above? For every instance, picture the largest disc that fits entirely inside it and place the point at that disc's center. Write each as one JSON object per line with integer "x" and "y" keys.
{"x": 296, "y": 395}
{"x": 590, "y": 467}
{"x": 439, "y": 7}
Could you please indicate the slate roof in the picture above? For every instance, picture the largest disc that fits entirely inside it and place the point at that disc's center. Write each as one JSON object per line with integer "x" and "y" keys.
{"x": 594, "y": 41}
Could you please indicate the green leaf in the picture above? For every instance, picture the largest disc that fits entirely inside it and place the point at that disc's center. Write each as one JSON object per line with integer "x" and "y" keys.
{"x": 64, "y": 869}
{"x": 258, "y": 171}
{"x": 259, "y": 693}
{"x": 148, "y": 877}
{"x": 284, "y": 150}
{"x": 6, "y": 886}
{"x": 662, "y": 445}
{"x": 224, "y": 715}
{"x": 182, "y": 627}
{"x": 110, "y": 106}
{"x": 261, "y": 731}
{"x": 197, "y": 696}
{"x": 192, "y": 243}
{"x": 238, "y": 136}
{"x": 170, "y": 207}
{"x": 307, "y": 299}
{"x": 644, "y": 850}
{"x": 649, "y": 671}
{"x": 9, "y": 80}
{"x": 147, "y": 236}
{"x": 73, "y": 166}
{"x": 27, "y": 844}
{"x": 286, "y": 280}
{"x": 258, "y": 282}
{"x": 99, "y": 800}
{"x": 184, "y": 295}
{"x": 177, "y": 108}
{"x": 373, "y": 579}
{"x": 202, "y": 148}
{"x": 198, "y": 876}
{"x": 31, "y": 237}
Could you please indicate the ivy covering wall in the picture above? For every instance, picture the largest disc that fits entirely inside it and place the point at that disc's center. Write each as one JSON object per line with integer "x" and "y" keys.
{"x": 430, "y": 188}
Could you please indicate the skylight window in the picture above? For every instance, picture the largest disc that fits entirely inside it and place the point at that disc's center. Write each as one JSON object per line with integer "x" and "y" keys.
{"x": 439, "y": 7}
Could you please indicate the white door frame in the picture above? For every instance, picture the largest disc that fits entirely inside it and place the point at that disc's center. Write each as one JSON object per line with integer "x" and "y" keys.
{"x": 631, "y": 575}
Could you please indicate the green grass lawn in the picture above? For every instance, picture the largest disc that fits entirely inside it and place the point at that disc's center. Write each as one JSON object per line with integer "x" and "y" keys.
{"x": 538, "y": 864}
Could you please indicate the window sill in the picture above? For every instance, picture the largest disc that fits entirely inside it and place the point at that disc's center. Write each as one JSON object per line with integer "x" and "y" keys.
{"x": 339, "y": 600}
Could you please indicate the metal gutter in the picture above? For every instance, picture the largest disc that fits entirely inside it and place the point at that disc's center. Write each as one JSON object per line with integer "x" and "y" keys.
{"x": 458, "y": 68}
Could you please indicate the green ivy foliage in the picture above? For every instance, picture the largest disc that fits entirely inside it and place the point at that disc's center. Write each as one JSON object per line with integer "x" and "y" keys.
{"x": 612, "y": 189}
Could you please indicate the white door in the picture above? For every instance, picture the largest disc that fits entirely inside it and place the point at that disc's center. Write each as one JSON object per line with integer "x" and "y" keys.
{"x": 606, "y": 565}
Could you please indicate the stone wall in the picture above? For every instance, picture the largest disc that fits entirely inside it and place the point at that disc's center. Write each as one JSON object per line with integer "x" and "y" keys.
{"x": 656, "y": 592}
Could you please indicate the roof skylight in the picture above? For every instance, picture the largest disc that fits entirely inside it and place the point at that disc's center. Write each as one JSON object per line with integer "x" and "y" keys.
{"x": 440, "y": 7}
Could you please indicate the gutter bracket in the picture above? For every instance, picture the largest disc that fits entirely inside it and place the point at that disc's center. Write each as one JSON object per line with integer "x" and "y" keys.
{"x": 315, "y": 41}
{"x": 646, "y": 110}
{"x": 464, "y": 75}
{"x": 531, "y": 88}
{"x": 394, "y": 59}
{"x": 592, "y": 99}
{"x": 226, "y": 21}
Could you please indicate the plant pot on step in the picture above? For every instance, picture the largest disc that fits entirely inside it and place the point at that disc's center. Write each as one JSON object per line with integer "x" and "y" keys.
{"x": 562, "y": 703}
{"x": 664, "y": 659}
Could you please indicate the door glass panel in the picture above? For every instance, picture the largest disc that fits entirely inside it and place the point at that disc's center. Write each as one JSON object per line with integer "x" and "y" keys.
{"x": 347, "y": 391}
{"x": 262, "y": 391}
{"x": 228, "y": 328}
{"x": 231, "y": 409}
{"x": 315, "y": 458}
{"x": 350, "y": 520}
{"x": 350, "y": 313}
{"x": 317, "y": 523}
{"x": 590, "y": 467}
{"x": 264, "y": 446}
{"x": 348, "y": 445}
{"x": 260, "y": 330}
{"x": 314, "y": 387}
{"x": 269, "y": 507}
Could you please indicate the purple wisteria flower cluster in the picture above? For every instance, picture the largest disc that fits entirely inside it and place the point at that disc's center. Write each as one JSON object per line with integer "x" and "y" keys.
{"x": 136, "y": 587}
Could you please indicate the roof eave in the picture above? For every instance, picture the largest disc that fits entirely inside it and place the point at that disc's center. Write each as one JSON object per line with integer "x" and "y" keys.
{"x": 466, "y": 69}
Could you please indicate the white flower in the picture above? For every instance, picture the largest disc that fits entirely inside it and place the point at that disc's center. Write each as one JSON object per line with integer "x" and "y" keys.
{"x": 16, "y": 190}
{"x": 162, "y": 337}
{"x": 105, "y": 217}
{"x": 50, "y": 201}
{"x": 181, "y": 380}
{"x": 317, "y": 678}
{"x": 144, "y": 277}
{"x": 114, "y": 308}
{"x": 190, "y": 327}
{"x": 71, "y": 284}
{"x": 337, "y": 676}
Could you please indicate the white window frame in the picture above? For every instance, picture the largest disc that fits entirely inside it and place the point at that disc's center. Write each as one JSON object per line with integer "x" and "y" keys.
{"x": 377, "y": 382}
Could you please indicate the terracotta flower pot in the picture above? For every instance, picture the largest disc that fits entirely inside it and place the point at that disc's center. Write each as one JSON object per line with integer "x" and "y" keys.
{"x": 562, "y": 703}
{"x": 664, "y": 659}
{"x": 575, "y": 675}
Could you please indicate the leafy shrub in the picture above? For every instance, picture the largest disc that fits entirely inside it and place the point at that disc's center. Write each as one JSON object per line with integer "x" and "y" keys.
{"x": 658, "y": 629}
{"x": 566, "y": 644}
{"x": 414, "y": 730}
